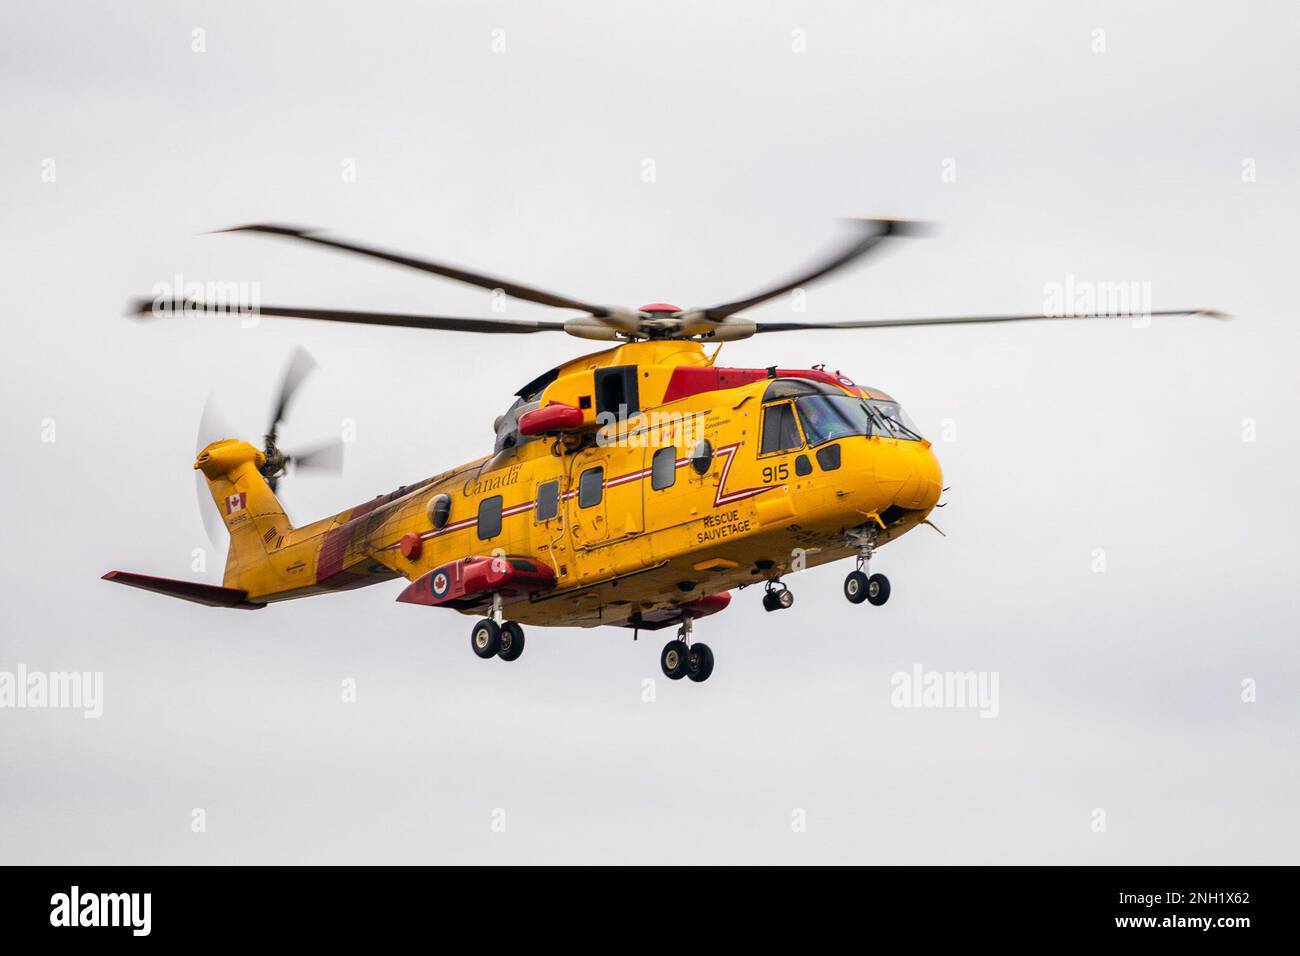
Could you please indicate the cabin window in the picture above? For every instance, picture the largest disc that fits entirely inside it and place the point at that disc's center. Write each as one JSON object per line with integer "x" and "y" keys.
{"x": 702, "y": 456}
{"x": 548, "y": 500}
{"x": 489, "y": 517}
{"x": 663, "y": 469}
{"x": 439, "y": 510}
{"x": 780, "y": 430}
{"x": 591, "y": 487}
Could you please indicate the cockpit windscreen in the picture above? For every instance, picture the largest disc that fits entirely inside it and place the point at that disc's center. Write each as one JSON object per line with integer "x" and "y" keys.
{"x": 828, "y": 417}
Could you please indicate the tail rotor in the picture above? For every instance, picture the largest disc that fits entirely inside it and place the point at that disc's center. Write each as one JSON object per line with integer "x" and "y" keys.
{"x": 327, "y": 457}
{"x": 324, "y": 457}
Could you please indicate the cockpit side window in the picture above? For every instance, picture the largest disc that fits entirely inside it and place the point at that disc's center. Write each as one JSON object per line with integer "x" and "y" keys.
{"x": 780, "y": 430}
{"x": 828, "y": 417}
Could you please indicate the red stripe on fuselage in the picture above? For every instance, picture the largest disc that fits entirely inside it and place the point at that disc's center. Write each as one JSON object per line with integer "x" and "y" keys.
{"x": 719, "y": 499}
{"x": 335, "y": 545}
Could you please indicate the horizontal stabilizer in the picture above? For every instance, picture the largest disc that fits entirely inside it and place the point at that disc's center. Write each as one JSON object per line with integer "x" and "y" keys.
{"x": 208, "y": 594}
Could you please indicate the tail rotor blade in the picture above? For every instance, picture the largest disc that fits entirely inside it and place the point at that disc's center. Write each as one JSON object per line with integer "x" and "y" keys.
{"x": 212, "y": 427}
{"x": 213, "y": 526}
{"x": 301, "y": 364}
{"x": 327, "y": 458}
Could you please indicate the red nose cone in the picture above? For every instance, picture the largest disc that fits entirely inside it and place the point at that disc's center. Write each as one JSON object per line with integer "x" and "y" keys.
{"x": 659, "y": 307}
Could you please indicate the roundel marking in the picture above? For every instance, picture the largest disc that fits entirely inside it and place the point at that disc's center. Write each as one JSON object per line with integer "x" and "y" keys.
{"x": 440, "y": 584}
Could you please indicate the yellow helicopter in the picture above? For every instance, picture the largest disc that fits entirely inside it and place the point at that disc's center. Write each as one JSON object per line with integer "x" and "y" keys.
{"x": 636, "y": 486}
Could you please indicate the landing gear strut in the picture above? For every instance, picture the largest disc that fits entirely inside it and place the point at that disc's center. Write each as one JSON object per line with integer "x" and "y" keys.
{"x": 861, "y": 585}
{"x": 777, "y": 597}
{"x": 680, "y": 658}
{"x": 492, "y": 637}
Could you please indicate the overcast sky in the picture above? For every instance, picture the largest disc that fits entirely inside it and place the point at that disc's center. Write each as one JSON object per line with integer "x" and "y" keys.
{"x": 631, "y": 153}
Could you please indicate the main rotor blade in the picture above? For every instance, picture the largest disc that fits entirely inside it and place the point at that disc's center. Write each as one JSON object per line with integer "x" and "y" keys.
{"x": 876, "y": 232}
{"x": 301, "y": 364}
{"x": 516, "y": 289}
{"x": 144, "y": 308}
{"x": 971, "y": 320}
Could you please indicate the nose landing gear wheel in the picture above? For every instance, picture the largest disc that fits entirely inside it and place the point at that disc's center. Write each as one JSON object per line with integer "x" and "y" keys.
{"x": 701, "y": 663}
{"x": 675, "y": 660}
{"x": 877, "y": 589}
{"x": 511, "y": 642}
{"x": 856, "y": 587}
{"x": 485, "y": 639}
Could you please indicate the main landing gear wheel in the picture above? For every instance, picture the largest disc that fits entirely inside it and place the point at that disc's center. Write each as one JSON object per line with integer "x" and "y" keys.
{"x": 700, "y": 664}
{"x": 512, "y": 641}
{"x": 486, "y": 638}
{"x": 855, "y": 587}
{"x": 877, "y": 589}
{"x": 779, "y": 598}
{"x": 675, "y": 660}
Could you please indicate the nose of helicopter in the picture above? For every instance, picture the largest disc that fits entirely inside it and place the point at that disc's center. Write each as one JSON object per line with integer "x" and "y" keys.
{"x": 915, "y": 463}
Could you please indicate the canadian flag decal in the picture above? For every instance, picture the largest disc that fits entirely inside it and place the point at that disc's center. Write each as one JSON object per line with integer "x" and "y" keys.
{"x": 236, "y": 502}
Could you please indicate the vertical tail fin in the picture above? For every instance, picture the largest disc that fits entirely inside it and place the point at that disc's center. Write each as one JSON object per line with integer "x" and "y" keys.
{"x": 253, "y": 515}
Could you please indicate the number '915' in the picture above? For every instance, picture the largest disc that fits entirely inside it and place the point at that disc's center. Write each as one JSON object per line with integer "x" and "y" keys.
{"x": 773, "y": 473}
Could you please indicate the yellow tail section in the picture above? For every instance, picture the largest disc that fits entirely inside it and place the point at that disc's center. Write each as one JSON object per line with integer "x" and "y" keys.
{"x": 252, "y": 513}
